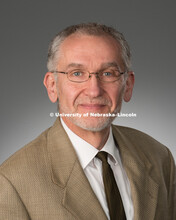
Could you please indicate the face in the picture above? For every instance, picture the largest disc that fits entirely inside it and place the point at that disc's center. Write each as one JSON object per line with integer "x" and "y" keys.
{"x": 90, "y": 53}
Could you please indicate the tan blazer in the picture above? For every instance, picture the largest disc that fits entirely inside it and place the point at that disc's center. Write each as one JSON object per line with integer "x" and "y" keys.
{"x": 44, "y": 180}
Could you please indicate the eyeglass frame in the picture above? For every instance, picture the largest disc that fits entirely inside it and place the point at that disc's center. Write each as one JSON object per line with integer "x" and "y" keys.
{"x": 94, "y": 73}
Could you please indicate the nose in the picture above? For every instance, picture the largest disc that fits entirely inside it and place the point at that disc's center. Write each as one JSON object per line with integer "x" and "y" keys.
{"x": 93, "y": 86}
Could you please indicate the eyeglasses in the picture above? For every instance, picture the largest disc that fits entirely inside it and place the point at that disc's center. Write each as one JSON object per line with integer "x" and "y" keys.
{"x": 80, "y": 76}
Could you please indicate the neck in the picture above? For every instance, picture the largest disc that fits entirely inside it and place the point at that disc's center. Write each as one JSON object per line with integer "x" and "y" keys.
{"x": 95, "y": 138}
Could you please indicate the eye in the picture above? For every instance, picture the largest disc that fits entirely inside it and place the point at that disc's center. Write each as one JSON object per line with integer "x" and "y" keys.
{"x": 107, "y": 73}
{"x": 77, "y": 73}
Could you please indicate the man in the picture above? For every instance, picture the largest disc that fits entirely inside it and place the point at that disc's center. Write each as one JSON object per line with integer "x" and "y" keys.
{"x": 63, "y": 174}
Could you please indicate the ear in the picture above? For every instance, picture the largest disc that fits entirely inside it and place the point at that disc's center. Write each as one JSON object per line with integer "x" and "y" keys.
{"x": 50, "y": 84}
{"x": 129, "y": 84}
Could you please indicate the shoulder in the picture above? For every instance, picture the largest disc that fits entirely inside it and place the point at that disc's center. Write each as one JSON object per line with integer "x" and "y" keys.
{"x": 142, "y": 143}
{"x": 147, "y": 151}
{"x": 138, "y": 137}
{"x": 28, "y": 156}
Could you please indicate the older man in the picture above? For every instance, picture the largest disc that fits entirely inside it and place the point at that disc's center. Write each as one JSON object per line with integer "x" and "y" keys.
{"x": 84, "y": 167}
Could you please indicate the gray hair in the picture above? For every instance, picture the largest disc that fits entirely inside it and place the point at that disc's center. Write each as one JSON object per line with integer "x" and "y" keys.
{"x": 87, "y": 29}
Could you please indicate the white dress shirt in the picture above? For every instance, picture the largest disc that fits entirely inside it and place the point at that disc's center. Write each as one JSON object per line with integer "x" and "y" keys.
{"x": 92, "y": 167}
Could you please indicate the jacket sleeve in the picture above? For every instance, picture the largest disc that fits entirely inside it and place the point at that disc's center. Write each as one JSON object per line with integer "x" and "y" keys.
{"x": 11, "y": 205}
{"x": 172, "y": 189}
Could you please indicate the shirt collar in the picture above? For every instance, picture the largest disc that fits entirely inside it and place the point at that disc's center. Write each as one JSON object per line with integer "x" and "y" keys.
{"x": 86, "y": 152}
{"x": 111, "y": 148}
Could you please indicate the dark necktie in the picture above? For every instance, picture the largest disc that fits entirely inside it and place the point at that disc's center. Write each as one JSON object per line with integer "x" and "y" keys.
{"x": 115, "y": 205}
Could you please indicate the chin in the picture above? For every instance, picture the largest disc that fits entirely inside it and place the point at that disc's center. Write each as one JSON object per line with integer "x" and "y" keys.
{"x": 90, "y": 124}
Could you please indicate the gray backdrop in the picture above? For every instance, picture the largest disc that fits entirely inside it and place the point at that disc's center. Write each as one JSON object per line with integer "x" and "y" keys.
{"x": 27, "y": 27}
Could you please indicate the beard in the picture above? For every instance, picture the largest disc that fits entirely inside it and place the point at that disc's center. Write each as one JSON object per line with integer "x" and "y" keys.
{"x": 101, "y": 123}
{"x": 94, "y": 124}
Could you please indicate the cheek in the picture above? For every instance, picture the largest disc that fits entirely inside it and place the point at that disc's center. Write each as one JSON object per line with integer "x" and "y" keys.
{"x": 116, "y": 95}
{"x": 67, "y": 94}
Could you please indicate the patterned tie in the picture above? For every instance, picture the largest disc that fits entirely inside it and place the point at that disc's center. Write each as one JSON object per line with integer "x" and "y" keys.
{"x": 115, "y": 205}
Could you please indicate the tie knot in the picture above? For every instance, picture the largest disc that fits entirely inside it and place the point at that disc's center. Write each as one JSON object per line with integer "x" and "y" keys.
{"x": 102, "y": 155}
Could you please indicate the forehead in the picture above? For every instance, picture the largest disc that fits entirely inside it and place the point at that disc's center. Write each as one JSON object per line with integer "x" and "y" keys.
{"x": 88, "y": 48}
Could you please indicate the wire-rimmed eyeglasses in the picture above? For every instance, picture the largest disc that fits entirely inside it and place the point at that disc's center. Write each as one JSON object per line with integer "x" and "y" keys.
{"x": 80, "y": 76}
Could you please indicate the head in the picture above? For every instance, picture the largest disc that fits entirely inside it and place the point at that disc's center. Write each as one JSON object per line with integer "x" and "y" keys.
{"x": 92, "y": 48}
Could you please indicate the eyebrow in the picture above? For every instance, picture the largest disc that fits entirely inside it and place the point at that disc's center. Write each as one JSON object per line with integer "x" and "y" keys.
{"x": 75, "y": 65}
{"x": 103, "y": 66}
{"x": 110, "y": 64}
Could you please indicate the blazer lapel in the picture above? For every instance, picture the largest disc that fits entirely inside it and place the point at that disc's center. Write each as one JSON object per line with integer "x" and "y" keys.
{"x": 144, "y": 189}
{"x": 67, "y": 173}
{"x": 79, "y": 197}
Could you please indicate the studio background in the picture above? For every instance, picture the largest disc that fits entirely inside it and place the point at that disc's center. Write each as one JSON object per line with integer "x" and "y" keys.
{"x": 26, "y": 30}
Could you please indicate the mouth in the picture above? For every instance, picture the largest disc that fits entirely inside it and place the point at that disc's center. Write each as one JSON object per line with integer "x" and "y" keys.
{"x": 92, "y": 107}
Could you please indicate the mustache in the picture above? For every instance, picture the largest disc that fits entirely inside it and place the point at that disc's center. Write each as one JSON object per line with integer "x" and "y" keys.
{"x": 94, "y": 101}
